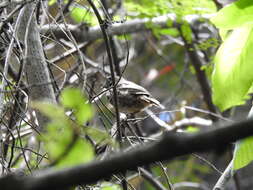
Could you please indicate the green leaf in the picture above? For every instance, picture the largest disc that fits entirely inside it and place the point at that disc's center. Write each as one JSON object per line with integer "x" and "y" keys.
{"x": 148, "y": 8}
{"x": 74, "y": 99}
{"x": 234, "y": 15}
{"x": 124, "y": 37}
{"x": 169, "y": 31}
{"x": 192, "y": 129}
{"x": 224, "y": 34}
{"x": 60, "y": 138}
{"x": 186, "y": 32}
{"x": 243, "y": 153}
{"x": 81, "y": 14}
{"x": 81, "y": 152}
{"x": 63, "y": 145}
{"x": 211, "y": 42}
{"x": 51, "y": 2}
{"x": 99, "y": 135}
{"x": 232, "y": 77}
{"x": 110, "y": 186}
{"x": 56, "y": 138}
{"x": 53, "y": 111}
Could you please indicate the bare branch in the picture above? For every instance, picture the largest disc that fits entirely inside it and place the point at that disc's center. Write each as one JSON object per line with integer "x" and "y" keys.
{"x": 126, "y": 27}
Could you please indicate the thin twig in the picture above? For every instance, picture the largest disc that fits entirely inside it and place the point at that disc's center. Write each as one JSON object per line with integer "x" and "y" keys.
{"x": 74, "y": 42}
{"x": 150, "y": 178}
{"x": 208, "y": 163}
{"x": 111, "y": 62}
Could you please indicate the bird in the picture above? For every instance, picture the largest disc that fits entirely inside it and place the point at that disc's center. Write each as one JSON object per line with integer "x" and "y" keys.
{"x": 132, "y": 98}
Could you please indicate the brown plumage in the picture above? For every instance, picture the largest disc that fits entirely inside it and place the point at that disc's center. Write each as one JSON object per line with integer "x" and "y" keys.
{"x": 132, "y": 98}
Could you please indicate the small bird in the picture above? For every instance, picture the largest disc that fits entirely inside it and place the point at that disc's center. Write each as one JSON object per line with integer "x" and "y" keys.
{"x": 132, "y": 98}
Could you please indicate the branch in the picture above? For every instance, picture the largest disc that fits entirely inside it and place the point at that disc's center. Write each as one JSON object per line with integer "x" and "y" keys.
{"x": 225, "y": 177}
{"x": 203, "y": 81}
{"x": 201, "y": 75}
{"x": 168, "y": 147}
{"x": 131, "y": 26}
{"x": 35, "y": 66}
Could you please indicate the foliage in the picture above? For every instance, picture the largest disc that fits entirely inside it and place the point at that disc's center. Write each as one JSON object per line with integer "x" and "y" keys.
{"x": 232, "y": 79}
{"x": 149, "y": 9}
{"x": 110, "y": 186}
{"x": 73, "y": 99}
{"x": 243, "y": 154}
{"x": 233, "y": 62}
{"x": 186, "y": 32}
{"x": 81, "y": 14}
{"x": 232, "y": 69}
{"x": 62, "y": 139}
{"x": 235, "y": 15}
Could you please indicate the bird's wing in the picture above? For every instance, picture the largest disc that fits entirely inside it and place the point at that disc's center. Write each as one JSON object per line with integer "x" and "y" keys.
{"x": 132, "y": 88}
{"x": 153, "y": 101}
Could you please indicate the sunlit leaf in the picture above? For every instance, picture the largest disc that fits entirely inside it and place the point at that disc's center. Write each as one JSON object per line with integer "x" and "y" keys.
{"x": 191, "y": 129}
{"x": 51, "y": 2}
{"x": 147, "y": 8}
{"x": 186, "y": 32}
{"x": 234, "y": 15}
{"x": 232, "y": 78}
{"x": 110, "y": 186}
{"x": 81, "y": 14}
{"x": 243, "y": 153}
{"x": 169, "y": 31}
{"x": 205, "y": 45}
